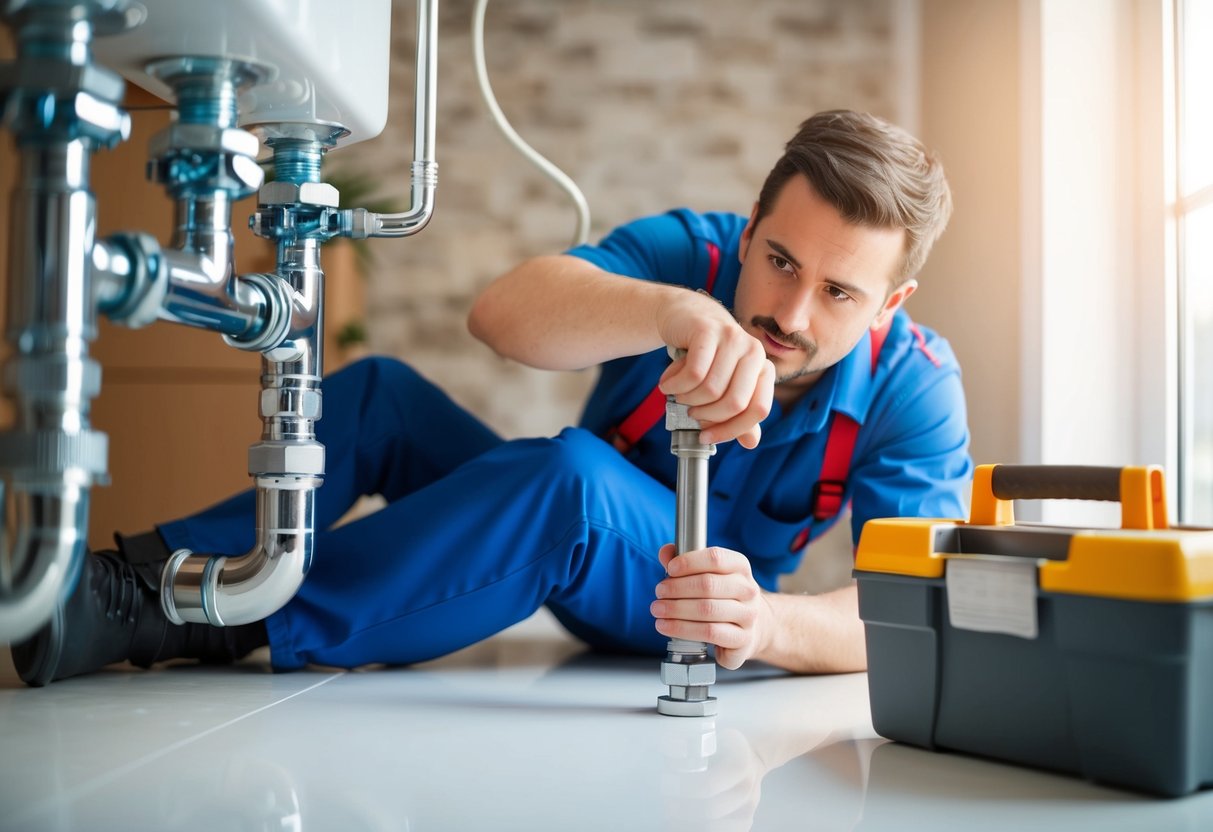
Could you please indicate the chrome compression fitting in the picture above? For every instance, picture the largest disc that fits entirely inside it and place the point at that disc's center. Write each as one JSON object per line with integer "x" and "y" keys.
{"x": 688, "y": 670}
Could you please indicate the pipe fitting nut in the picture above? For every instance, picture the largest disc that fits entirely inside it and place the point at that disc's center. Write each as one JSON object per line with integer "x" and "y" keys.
{"x": 678, "y": 674}
{"x": 320, "y": 194}
{"x": 676, "y": 417}
{"x": 301, "y": 404}
{"x": 285, "y": 458}
{"x": 358, "y": 223}
{"x": 180, "y": 138}
{"x": 669, "y": 706}
{"x": 37, "y": 73}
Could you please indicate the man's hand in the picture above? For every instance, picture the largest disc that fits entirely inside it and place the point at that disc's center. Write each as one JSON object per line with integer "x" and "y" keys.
{"x": 725, "y": 378}
{"x": 711, "y": 596}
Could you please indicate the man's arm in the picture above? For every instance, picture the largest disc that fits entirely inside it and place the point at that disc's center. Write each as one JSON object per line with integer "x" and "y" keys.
{"x": 816, "y": 633}
{"x": 711, "y": 595}
{"x": 560, "y": 312}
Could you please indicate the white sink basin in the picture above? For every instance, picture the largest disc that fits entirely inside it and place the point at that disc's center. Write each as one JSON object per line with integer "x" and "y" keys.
{"x": 330, "y": 59}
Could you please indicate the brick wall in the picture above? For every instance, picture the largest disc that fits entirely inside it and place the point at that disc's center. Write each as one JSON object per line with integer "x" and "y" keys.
{"x": 647, "y": 105}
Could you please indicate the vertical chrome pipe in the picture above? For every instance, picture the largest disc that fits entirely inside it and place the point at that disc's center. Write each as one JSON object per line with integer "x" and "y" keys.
{"x": 688, "y": 670}
{"x": 691, "y": 507}
{"x": 424, "y": 180}
{"x": 52, "y": 379}
{"x": 52, "y": 456}
{"x": 287, "y": 466}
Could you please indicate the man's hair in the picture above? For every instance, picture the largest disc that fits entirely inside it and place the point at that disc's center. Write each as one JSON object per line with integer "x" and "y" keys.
{"x": 874, "y": 173}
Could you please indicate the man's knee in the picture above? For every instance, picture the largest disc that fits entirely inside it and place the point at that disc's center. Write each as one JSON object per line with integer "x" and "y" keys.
{"x": 375, "y": 373}
{"x": 575, "y": 454}
{"x": 577, "y": 458}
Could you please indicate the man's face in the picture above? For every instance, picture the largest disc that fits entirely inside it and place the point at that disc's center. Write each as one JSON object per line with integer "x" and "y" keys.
{"x": 812, "y": 283}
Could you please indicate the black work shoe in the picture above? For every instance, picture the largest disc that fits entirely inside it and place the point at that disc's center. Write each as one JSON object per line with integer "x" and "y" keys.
{"x": 108, "y": 618}
{"x": 113, "y": 616}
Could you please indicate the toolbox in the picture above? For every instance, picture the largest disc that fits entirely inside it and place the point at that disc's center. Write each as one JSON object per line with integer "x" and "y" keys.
{"x": 1087, "y": 651}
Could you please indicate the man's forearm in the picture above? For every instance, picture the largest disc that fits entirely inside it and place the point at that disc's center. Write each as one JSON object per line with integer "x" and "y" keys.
{"x": 559, "y": 312}
{"x": 816, "y": 633}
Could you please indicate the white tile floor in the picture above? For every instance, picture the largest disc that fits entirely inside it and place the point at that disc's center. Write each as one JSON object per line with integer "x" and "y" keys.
{"x": 526, "y": 732}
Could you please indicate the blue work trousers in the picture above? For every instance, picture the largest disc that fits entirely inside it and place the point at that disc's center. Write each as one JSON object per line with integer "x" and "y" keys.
{"x": 477, "y": 533}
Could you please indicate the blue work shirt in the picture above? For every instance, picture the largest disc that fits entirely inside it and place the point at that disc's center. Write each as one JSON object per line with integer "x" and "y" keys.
{"x": 911, "y": 454}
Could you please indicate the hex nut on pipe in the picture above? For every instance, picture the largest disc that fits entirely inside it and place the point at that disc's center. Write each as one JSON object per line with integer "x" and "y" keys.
{"x": 303, "y": 193}
{"x": 203, "y": 138}
{"x": 688, "y": 675}
{"x": 286, "y": 458}
{"x": 676, "y": 417}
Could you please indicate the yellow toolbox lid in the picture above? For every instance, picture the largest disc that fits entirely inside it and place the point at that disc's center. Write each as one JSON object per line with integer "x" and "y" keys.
{"x": 1144, "y": 561}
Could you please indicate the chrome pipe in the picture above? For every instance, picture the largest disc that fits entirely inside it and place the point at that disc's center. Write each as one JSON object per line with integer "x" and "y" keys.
{"x": 424, "y": 175}
{"x": 203, "y": 288}
{"x": 688, "y": 670}
{"x": 287, "y": 466}
{"x": 230, "y": 591}
{"x": 690, "y": 508}
{"x": 205, "y": 163}
{"x": 51, "y": 456}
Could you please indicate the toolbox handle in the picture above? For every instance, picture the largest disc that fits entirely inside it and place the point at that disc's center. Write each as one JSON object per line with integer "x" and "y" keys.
{"x": 1139, "y": 490}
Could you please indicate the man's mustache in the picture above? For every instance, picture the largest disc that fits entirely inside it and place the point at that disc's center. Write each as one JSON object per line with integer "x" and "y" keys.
{"x": 794, "y": 339}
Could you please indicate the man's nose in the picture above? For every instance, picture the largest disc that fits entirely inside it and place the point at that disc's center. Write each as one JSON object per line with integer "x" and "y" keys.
{"x": 795, "y": 314}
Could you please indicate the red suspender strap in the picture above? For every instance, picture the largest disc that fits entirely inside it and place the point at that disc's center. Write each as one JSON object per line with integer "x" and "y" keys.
{"x": 713, "y": 265}
{"x": 638, "y": 422}
{"x": 650, "y": 411}
{"x": 827, "y": 492}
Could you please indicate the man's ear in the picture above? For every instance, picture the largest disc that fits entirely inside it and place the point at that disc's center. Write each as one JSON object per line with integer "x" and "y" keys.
{"x": 747, "y": 234}
{"x": 893, "y": 302}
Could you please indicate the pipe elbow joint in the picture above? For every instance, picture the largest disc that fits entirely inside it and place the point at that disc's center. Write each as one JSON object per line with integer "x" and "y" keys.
{"x": 225, "y": 592}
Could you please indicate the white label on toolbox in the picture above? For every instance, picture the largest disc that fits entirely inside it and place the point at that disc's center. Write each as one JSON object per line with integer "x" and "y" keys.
{"x": 993, "y": 596}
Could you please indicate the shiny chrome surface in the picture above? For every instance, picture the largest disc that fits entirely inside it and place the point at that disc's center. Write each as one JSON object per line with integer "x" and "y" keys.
{"x": 688, "y": 670}
{"x": 228, "y": 591}
{"x": 544, "y": 735}
{"x": 61, "y": 107}
{"x": 287, "y": 466}
{"x": 359, "y": 222}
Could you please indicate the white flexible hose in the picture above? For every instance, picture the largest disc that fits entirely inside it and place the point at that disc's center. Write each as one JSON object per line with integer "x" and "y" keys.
{"x": 581, "y": 234}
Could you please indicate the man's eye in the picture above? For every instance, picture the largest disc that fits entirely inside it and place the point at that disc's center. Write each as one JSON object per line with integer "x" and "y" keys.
{"x": 782, "y": 264}
{"x": 837, "y": 294}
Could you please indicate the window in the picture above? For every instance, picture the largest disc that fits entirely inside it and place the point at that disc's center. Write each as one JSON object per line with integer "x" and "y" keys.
{"x": 1194, "y": 215}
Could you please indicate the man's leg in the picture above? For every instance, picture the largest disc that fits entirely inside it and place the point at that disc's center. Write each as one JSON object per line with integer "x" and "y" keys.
{"x": 387, "y": 431}
{"x": 565, "y": 521}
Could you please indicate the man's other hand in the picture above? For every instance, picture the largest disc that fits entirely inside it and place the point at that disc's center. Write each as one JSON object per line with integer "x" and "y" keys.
{"x": 710, "y": 595}
{"x": 725, "y": 376}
